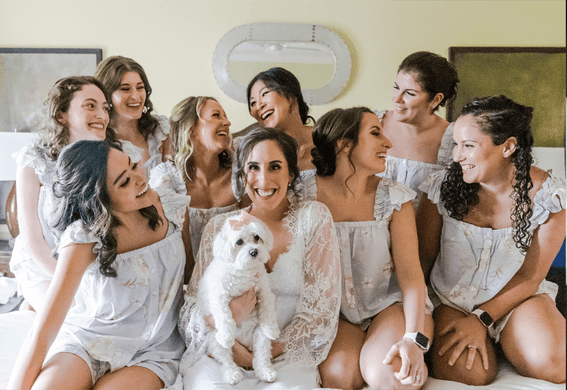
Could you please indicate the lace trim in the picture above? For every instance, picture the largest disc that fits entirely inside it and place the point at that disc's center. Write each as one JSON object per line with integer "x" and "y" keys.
{"x": 309, "y": 335}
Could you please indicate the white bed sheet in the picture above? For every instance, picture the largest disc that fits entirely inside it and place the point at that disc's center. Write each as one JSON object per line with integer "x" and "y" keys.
{"x": 15, "y": 325}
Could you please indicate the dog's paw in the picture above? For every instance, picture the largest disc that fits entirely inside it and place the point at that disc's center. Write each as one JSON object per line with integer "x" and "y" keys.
{"x": 266, "y": 374}
{"x": 272, "y": 332}
{"x": 225, "y": 337}
{"x": 232, "y": 375}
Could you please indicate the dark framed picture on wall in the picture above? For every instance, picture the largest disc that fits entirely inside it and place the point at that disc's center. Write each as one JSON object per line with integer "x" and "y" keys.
{"x": 532, "y": 76}
{"x": 26, "y": 76}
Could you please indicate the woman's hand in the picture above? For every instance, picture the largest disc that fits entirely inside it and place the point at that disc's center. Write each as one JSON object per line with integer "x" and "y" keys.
{"x": 242, "y": 356}
{"x": 412, "y": 371}
{"x": 242, "y": 306}
{"x": 468, "y": 333}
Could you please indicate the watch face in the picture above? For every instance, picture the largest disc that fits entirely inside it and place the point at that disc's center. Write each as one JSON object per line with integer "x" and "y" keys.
{"x": 486, "y": 319}
{"x": 422, "y": 340}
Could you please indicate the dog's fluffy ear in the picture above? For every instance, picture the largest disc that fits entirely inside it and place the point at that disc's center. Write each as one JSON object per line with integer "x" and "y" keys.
{"x": 264, "y": 233}
{"x": 223, "y": 245}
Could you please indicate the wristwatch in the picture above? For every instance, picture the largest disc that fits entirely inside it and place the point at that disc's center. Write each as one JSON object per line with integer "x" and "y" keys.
{"x": 484, "y": 317}
{"x": 419, "y": 338}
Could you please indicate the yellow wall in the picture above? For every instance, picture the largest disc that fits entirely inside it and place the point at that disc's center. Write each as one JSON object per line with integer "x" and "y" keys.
{"x": 174, "y": 39}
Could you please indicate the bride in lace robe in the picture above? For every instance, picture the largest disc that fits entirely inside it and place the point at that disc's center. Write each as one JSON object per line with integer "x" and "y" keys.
{"x": 304, "y": 272}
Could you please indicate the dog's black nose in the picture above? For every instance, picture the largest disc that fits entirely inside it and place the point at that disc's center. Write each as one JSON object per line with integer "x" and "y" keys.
{"x": 254, "y": 252}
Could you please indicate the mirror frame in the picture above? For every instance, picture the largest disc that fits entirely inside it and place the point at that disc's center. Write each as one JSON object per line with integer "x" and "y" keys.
{"x": 283, "y": 32}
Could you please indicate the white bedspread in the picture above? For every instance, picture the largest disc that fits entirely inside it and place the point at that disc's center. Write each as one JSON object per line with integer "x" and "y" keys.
{"x": 15, "y": 325}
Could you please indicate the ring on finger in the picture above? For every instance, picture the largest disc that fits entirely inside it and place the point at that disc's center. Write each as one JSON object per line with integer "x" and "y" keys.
{"x": 472, "y": 346}
{"x": 417, "y": 377}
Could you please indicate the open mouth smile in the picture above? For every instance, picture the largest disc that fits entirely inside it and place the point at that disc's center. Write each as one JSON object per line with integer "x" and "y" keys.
{"x": 143, "y": 191}
{"x": 265, "y": 193}
{"x": 266, "y": 114}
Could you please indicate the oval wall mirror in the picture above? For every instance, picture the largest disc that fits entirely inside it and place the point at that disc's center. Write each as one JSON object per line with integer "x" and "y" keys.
{"x": 318, "y": 57}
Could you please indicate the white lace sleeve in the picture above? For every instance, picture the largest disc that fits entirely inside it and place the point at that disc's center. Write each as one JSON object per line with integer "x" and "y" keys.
{"x": 192, "y": 325}
{"x": 309, "y": 335}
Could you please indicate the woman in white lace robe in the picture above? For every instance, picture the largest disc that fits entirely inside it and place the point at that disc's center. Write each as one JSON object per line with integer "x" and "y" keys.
{"x": 121, "y": 261}
{"x": 489, "y": 231}
{"x": 304, "y": 272}
{"x": 383, "y": 293}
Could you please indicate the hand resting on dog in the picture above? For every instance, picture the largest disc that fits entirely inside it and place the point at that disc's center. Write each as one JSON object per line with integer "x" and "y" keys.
{"x": 241, "y": 307}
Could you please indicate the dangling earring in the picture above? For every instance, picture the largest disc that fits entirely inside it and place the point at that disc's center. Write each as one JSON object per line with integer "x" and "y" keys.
{"x": 145, "y": 110}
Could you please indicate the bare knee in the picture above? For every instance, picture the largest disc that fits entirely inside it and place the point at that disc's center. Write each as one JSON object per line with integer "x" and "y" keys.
{"x": 550, "y": 367}
{"x": 476, "y": 376}
{"x": 381, "y": 376}
{"x": 341, "y": 372}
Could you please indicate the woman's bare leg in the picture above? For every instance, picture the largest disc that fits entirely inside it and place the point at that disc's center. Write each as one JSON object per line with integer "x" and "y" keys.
{"x": 533, "y": 340}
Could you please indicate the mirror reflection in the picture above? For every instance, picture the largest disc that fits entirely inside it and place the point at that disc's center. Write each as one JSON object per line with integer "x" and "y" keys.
{"x": 312, "y": 63}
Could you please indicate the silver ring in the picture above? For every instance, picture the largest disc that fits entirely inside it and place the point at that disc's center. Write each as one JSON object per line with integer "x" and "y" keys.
{"x": 417, "y": 377}
{"x": 472, "y": 346}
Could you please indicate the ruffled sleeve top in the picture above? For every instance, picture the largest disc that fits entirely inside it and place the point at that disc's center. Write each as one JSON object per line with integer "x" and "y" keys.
{"x": 166, "y": 174}
{"x": 33, "y": 156}
{"x": 304, "y": 280}
{"x": 413, "y": 173}
{"x": 369, "y": 284}
{"x": 114, "y": 318}
{"x": 475, "y": 263}
{"x": 154, "y": 143}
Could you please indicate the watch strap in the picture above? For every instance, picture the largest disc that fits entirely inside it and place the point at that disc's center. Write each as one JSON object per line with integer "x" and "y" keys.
{"x": 421, "y": 340}
{"x": 484, "y": 317}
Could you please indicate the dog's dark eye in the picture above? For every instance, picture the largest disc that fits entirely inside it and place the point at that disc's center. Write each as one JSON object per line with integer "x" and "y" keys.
{"x": 239, "y": 242}
{"x": 256, "y": 238}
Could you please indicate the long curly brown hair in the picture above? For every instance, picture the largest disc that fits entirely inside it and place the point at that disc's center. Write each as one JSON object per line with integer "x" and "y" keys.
{"x": 500, "y": 118}
{"x": 81, "y": 186}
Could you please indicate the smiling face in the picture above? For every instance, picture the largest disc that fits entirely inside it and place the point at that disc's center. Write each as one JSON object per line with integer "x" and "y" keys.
{"x": 411, "y": 102}
{"x": 369, "y": 154}
{"x": 480, "y": 159}
{"x": 267, "y": 177}
{"x": 87, "y": 116}
{"x": 130, "y": 97}
{"x": 212, "y": 127}
{"x": 268, "y": 107}
{"x": 127, "y": 184}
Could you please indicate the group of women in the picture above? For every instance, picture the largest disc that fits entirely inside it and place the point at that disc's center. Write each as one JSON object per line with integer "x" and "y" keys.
{"x": 119, "y": 208}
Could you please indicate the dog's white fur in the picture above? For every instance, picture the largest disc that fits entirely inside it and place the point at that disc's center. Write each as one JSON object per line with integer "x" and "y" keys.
{"x": 238, "y": 264}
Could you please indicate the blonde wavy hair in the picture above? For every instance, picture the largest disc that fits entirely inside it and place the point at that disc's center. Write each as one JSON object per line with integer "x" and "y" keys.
{"x": 182, "y": 121}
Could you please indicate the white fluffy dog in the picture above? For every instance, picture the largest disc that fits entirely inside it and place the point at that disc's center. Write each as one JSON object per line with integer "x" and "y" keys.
{"x": 240, "y": 251}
